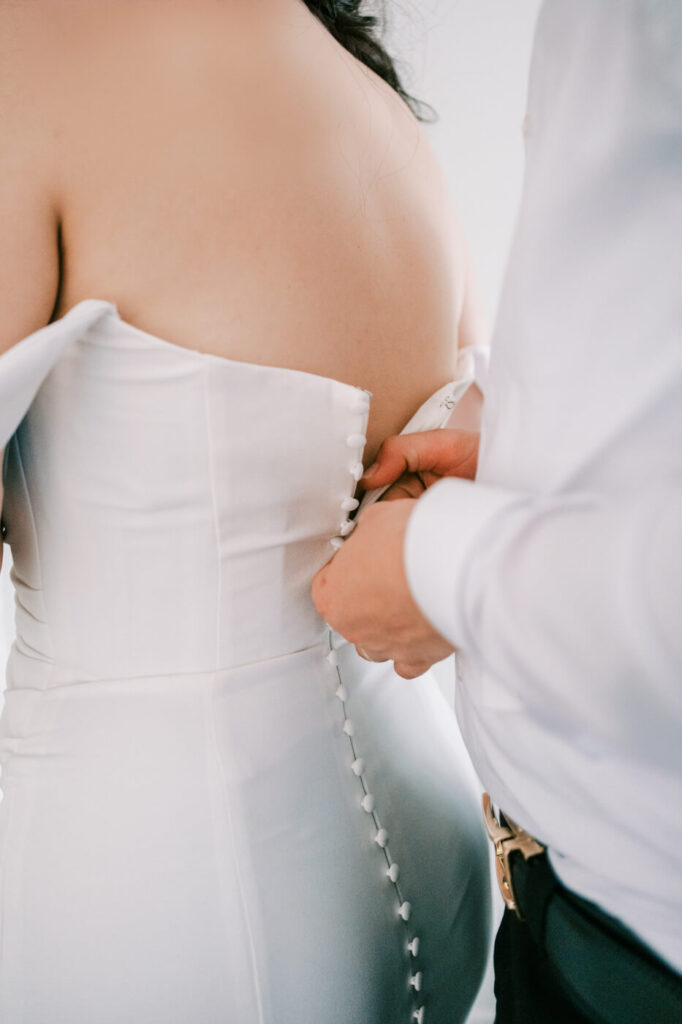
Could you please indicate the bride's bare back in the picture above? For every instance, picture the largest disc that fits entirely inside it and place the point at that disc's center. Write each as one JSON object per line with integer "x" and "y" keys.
{"x": 232, "y": 179}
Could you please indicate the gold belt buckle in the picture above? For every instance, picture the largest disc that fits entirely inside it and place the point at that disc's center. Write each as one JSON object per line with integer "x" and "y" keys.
{"x": 506, "y": 840}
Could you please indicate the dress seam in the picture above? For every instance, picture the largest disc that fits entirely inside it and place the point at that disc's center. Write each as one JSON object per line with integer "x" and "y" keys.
{"x": 214, "y": 506}
{"x": 237, "y": 868}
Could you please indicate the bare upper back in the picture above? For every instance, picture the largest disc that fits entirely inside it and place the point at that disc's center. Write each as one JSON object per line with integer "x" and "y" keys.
{"x": 236, "y": 182}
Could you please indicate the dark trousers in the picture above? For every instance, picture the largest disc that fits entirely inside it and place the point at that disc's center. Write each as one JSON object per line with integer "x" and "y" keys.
{"x": 526, "y": 988}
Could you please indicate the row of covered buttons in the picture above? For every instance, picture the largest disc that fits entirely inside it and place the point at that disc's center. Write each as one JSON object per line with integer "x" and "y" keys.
{"x": 357, "y": 442}
{"x": 368, "y": 804}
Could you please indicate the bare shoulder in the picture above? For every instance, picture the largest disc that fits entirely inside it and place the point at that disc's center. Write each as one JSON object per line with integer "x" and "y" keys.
{"x": 29, "y": 264}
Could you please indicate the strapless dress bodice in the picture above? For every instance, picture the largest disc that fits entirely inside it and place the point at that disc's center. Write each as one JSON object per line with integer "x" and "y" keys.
{"x": 142, "y": 474}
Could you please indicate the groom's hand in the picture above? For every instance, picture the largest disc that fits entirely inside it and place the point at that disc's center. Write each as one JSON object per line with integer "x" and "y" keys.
{"x": 413, "y": 462}
{"x": 363, "y": 594}
{"x": 363, "y": 591}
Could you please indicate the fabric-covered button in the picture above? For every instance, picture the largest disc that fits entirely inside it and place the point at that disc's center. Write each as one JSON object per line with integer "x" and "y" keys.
{"x": 368, "y": 803}
{"x": 332, "y": 658}
{"x": 349, "y": 504}
{"x": 416, "y": 981}
{"x": 381, "y": 838}
{"x": 336, "y": 543}
{"x": 356, "y": 440}
{"x": 418, "y": 1016}
{"x": 342, "y": 693}
{"x": 348, "y": 727}
{"x": 413, "y": 946}
{"x": 393, "y": 872}
{"x": 356, "y": 470}
{"x": 358, "y": 766}
{"x": 347, "y": 526}
{"x": 404, "y": 910}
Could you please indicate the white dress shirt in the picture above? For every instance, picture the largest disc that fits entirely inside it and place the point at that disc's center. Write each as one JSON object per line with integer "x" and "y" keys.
{"x": 558, "y": 574}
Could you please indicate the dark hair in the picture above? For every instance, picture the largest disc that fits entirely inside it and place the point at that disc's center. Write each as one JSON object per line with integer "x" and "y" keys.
{"x": 358, "y": 33}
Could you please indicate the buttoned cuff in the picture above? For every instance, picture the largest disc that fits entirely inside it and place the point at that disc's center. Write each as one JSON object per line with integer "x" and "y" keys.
{"x": 440, "y": 540}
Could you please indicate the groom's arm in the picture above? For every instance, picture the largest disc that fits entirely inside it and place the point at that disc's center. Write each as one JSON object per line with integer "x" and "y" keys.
{"x": 574, "y": 601}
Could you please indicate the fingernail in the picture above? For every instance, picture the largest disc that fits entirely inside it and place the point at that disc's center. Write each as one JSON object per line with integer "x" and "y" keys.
{"x": 371, "y": 471}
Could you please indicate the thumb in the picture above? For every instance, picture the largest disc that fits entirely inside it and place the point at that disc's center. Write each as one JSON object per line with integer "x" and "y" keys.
{"x": 443, "y": 452}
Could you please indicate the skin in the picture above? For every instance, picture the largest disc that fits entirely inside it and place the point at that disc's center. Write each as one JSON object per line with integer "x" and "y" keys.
{"x": 363, "y": 591}
{"x": 235, "y": 182}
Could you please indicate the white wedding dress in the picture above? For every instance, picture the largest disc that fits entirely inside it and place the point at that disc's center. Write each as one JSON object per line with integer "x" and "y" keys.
{"x": 214, "y": 811}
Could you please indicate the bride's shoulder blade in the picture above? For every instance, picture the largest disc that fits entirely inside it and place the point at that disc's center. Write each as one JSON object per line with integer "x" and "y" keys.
{"x": 234, "y": 180}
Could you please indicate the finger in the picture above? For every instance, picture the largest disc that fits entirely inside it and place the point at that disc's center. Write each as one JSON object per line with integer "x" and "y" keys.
{"x": 409, "y": 485}
{"x": 443, "y": 452}
{"x": 377, "y": 656}
{"x": 410, "y": 670}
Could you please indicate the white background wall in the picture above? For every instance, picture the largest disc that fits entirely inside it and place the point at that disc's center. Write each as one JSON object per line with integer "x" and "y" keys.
{"x": 469, "y": 59}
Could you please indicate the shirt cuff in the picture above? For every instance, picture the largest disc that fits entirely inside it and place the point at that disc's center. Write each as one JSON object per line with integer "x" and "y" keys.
{"x": 441, "y": 535}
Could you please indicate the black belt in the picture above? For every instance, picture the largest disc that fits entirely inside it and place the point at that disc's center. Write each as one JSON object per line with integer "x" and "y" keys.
{"x": 608, "y": 974}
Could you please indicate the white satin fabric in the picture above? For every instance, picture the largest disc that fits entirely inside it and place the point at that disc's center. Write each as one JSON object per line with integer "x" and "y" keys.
{"x": 214, "y": 811}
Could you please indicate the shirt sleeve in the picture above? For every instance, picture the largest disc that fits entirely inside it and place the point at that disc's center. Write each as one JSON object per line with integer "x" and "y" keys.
{"x": 571, "y": 600}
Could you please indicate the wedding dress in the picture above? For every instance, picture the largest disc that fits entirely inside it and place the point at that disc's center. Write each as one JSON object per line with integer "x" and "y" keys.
{"x": 214, "y": 812}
